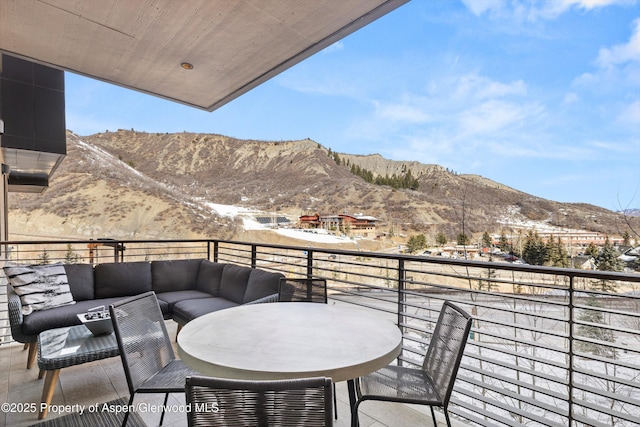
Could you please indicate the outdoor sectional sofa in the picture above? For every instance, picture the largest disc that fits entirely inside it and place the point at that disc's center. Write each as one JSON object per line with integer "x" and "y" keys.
{"x": 185, "y": 289}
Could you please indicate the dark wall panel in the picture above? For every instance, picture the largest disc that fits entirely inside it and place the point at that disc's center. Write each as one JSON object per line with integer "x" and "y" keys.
{"x": 32, "y": 106}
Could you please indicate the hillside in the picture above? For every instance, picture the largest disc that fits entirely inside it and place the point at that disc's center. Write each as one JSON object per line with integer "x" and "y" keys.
{"x": 128, "y": 184}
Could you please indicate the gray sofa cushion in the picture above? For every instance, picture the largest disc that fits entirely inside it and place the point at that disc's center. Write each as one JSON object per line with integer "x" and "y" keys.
{"x": 187, "y": 310}
{"x": 176, "y": 275}
{"x": 80, "y": 278}
{"x": 209, "y": 277}
{"x": 173, "y": 297}
{"x": 122, "y": 279}
{"x": 261, "y": 284}
{"x": 60, "y": 317}
{"x": 234, "y": 282}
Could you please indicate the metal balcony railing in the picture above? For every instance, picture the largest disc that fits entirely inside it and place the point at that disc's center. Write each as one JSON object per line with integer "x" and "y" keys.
{"x": 549, "y": 346}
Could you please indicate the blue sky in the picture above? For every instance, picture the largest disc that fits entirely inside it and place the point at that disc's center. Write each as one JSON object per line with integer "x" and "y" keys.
{"x": 543, "y": 96}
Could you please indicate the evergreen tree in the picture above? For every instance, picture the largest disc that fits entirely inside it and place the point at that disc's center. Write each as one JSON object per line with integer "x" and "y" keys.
{"x": 503, "y": 244}
{"x": 534, "y": 251}
{"x": 486, "y": 240}
{"x": 441, "y": 239}
{"x": 416, "y": 243}
{"x": 608, "y": 260}
{"x": 336, "y": 157}
{"x": 592, "y": 250}
{"x": 463, "y": 239}
{"x": 44, "y": 258}
{"x": 592, "y": 331}
{"x": 71, "y": 257}
{"x": 556, "y": 253}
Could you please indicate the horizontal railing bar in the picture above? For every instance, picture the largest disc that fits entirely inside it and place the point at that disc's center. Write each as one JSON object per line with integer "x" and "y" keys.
{"x": 604, "y": 410}
{"x": 491, "y": 307}
{"x": 506, "y": 408}
{"x": 607, "y": 328}
{"x": 589, "y": 422}
{"x": 592, "y": 374}
{"x": 561, "y": 365}
{"x": 524, "y": 370}
{"x": 523, "y": 342}
{"x": 508, "y": 394}
{"x": 504, "y": 378}
{"x": 608, "y": 394}
{"x": 601, "y": 343}
{"x": 509, "y": 325}
{"x": 464, "y": 414}
{"x": 606, "y": 310}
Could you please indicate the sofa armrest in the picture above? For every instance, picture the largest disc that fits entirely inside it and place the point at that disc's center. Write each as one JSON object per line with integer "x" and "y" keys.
{"x": 268, "y": 298}
{"x": 16, "y": 318}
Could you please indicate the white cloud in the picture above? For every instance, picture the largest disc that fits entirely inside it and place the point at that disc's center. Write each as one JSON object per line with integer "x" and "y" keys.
{"x": 532, "y": 11}
{"x": 401, "y": 113}
{"x": 468, "y": 113}
{"x": 479, "y": 7}
{"x": 618, "y": 67}
{"x": 571, "y": 98}
{"x": 630, "y": 115}
{"x": 622, "y": 53}
{"x": 481, "y": 88}
{"x": 493, "y": 117}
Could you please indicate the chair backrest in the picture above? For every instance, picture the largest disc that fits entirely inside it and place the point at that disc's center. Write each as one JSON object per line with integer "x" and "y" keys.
{"x": 143, "y": 340}
{"x": 302, "y": 290}
{"x": 446, "y": 348}
{"x": 225, "y": 402}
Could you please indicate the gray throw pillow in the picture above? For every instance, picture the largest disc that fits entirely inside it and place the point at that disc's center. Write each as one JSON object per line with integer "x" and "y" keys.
{"x": 40, "y": 287}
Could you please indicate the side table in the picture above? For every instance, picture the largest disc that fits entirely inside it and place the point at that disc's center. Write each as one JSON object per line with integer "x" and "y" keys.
{"x": 63, "y": 347}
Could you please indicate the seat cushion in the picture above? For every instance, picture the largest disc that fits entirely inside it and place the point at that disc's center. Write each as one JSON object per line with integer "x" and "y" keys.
{"x": 120, "y": 279}
{"x": 261, "y": 284}
{"x": 234, "y": 282}
{"x": 176, "y": 275}
{"x": 60, "y": 317}
{"x": 173, "y": 297}
{"x": 209, "y": 277}
{"x": 187, "y": 310}
{"x": 81, "y": 283}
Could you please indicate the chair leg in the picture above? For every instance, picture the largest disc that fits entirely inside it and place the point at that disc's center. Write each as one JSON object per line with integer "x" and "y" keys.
{"x": 446, "y": 416}
{"x": 50, "y": 382}
{"x": 33, "y": 350}
{"x": 178, "y": 331}
{"x": 166, "y": 399}
{"x": 433, "y": 415}
{"x": 126, "y": 413}
{"x": 355, "y": 422}
{"x": 335, "y": 401}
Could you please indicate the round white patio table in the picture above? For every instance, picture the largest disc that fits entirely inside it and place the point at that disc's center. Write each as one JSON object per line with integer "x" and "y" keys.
{"x": 289, "y": 340}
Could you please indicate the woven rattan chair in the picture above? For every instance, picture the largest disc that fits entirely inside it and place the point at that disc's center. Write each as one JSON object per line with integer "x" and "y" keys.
{"x": 302, "y": 290}
{"x": 238, "y": 403}
{"x": 147, "y": 356}
{"x": 432, "y": 385}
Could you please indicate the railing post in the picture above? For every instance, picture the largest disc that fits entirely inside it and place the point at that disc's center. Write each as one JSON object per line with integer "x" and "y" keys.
{"x": 254, "y": 255}
{"x": 309, "y": 264}
{"x": 402, "y": 277}
{"x": 571, "y": 358}
{"x": 215, "y": 251}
